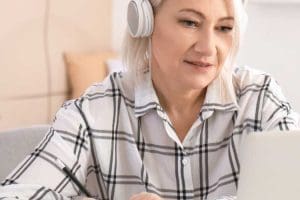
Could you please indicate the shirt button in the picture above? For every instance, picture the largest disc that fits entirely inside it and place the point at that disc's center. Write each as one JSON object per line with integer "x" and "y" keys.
{"x": 185, "y": 161}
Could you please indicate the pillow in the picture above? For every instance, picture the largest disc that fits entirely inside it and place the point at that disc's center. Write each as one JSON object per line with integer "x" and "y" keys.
{"x": 84, "y": 69}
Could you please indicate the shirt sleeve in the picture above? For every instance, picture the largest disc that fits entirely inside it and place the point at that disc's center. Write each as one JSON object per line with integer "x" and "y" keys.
{"x": 277, "y": 112}
{"x": 38, "y": 176}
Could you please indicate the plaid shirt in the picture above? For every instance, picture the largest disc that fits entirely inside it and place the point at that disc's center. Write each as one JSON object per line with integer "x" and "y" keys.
{"x": 118, "y": 141}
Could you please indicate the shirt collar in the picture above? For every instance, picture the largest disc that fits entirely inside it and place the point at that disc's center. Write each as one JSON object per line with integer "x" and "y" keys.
{"x": 145, "y": 95}
{"x": 215, "y": 99}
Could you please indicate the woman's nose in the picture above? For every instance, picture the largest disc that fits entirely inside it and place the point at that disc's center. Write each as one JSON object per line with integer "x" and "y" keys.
{"x": 206, "y": 44}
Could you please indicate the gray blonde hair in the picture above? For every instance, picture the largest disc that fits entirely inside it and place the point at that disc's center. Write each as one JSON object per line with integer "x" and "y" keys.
{"x": 136, "y": 56}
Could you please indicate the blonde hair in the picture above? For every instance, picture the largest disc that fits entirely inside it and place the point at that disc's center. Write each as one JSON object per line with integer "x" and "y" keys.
{"x": 135, "y": 50}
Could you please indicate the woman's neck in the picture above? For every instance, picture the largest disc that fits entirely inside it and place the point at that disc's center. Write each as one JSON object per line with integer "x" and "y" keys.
{"x": 181, "y": 105}
{"x": 175, "y": 99}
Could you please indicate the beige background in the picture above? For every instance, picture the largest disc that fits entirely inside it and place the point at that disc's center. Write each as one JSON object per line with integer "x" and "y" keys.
{"x": 33, "y": 36}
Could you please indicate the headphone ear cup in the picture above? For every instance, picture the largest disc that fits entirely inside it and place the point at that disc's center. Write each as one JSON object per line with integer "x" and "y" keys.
{"x": 148, "y": 18}
{"x": 140, "y": 18}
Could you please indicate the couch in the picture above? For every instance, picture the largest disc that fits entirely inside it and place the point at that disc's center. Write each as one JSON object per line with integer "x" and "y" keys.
{"x": 15, "y": 144}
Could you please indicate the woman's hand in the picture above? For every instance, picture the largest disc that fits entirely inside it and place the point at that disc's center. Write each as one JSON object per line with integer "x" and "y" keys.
{"x": 145, "y": 196}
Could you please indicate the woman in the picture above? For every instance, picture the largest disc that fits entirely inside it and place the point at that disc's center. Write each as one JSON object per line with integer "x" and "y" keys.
{"x": 170, "y": 128}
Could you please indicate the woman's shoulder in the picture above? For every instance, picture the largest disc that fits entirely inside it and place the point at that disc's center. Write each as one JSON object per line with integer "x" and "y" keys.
{"x": 254, "y": 85}
{"x": 246, "y": 76}
{"x": 260, "y": 95}
{"x": 252, "y": 81}
{"x": 100, "y": 100}
{"x": 115, "y": 84}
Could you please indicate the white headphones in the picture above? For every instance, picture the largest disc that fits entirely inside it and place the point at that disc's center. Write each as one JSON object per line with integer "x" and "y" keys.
{"x": 140, "y": 18}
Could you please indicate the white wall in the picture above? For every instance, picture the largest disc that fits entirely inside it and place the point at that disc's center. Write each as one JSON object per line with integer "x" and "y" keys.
{"x": 272, "y": 42}
{"x": 118, "y": 22}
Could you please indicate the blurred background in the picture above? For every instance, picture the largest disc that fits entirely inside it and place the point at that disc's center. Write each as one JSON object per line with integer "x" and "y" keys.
{"x": 51, "y": 50}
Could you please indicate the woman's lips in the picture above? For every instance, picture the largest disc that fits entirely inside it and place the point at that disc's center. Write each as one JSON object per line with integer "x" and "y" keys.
{"x": 198, "y": 63}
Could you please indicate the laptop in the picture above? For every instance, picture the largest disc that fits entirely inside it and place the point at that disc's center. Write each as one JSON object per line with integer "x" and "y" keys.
{"x": 270, "y": 166}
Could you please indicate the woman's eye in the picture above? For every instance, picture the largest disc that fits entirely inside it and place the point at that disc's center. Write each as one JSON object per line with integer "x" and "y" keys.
{"x": 225, "y": 29}
{"x": 189, "y": 23}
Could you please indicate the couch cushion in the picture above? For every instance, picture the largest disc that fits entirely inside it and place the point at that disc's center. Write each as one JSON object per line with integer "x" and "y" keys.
{"x": 15, "y": 144}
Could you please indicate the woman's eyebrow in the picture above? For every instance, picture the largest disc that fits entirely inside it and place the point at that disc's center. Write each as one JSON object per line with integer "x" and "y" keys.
{"x": 226, "y": 18}
{"x": 201, "y": 15}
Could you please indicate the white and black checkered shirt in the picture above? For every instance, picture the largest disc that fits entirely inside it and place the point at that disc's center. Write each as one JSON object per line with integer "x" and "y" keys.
{"x": 118, "y": 141}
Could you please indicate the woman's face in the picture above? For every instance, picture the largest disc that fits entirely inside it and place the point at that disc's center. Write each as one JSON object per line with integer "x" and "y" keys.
{"x": 191, "y": 41}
